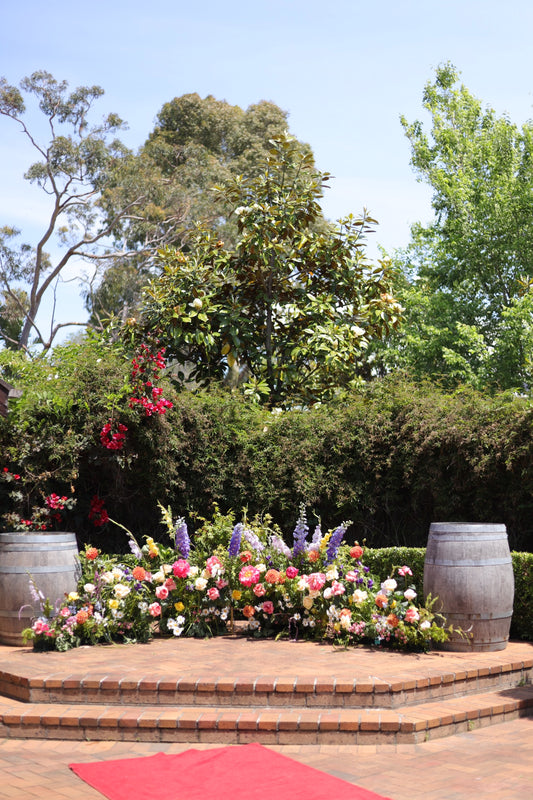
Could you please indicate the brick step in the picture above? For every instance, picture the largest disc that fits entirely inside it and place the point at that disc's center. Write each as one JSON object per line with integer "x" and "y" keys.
{"x": 294, "y": 692}
{"x": 230, "y": 725}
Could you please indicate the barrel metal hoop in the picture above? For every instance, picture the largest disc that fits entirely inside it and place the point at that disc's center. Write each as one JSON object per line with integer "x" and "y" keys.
{"x": 49, "y": 569}
{"x": 441, "y": 562}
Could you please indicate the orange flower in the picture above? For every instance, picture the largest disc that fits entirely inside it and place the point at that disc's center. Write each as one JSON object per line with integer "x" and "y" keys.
{"x": 81, "y": 617}
{"x": 248, "y": 611}
{"x": 139, "y": 573}
{"x": 381, "y": 601}
{"x": 272, "y": 576}
{"x": 282, "y": 577}
{"x": 393, "y": 620}
{"x": 245, "y": 557}
{"x": 356, "y": 551}
{"x": 313, "y": 555}
{"x": 91, "y": 553}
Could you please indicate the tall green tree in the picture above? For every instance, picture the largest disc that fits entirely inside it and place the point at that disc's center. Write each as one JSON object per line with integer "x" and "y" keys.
{"x": 196, "y": 143}
{"x": 288, "y": 312}
{"x": 470, "y": 269}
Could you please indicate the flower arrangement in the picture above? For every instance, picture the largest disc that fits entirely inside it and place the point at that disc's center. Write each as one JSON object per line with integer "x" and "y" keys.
{"x": 240, "y": 575}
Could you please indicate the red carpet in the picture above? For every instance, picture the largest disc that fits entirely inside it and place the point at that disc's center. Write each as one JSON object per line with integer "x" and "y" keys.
{"x": 243, "y": 772}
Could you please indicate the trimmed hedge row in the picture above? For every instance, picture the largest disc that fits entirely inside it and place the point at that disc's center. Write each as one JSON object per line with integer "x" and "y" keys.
{"x": 383, "y": 561}
{"x": 392, "y": 458}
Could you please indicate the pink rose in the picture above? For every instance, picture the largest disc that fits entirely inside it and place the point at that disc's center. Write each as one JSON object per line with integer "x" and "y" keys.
{"x": 405, "y": 571}
{"x": 181, "y": 568}
{"x": 412, "y": 615}
{"x": 154, "y": 609}
{"x": 213, "y": 593}
{"x": 214, "y": 565}
{"x": 316, "y": 581}
{"x": 352, "y": 575}
{"x": 268, "y": 607}
{"x": 259, "y": 590}
{"x": 291, "y": 572}
{"x": 249, "y": 575}
{"x": 170, "y": 583}
{"x": 337, "y": 588}
{"x": 161, "y": 592}
{"x": 221, "y": 583}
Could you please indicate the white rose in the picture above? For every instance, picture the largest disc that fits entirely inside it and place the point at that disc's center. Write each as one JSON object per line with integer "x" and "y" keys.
{"x": 389, "y": 585}
{"x": 359, "y": 596}
{"x": 121, "y": 591}
{"x": 409, "y": 594}
{"x": 200, "y": 584}
{"x": 332, "y": 574}
{"x": 89, "y": 588}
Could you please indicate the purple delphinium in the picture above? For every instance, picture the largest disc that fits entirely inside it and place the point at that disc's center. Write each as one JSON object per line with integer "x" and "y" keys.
{"x": 235, "y": 541}
{"x": 300, "y": 534}
{"x": 183, "y": 543}
{"x": 277, "y": 544}
{"x": 317, "y": 536}
{"x": 335, "y": 542}
{"x": 253, "y": 540}
{"x": 135, "y": 549}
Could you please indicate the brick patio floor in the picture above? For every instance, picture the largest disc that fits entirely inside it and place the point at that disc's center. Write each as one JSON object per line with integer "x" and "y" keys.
{"x": 491, "y": 762}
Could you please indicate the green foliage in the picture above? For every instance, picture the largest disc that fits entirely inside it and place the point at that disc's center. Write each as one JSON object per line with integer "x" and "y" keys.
{"x": 289, "y": 312}
{"x": 196, "y": 143}
{"x": 522, "y": 622}
{"x": 468, "y": 290}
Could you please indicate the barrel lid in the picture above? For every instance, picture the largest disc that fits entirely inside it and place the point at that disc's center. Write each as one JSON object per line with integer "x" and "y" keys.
{"x": 467, "y": 527}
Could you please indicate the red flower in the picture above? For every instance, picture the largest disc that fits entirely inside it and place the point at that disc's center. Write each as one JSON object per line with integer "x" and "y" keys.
{"x": 91, "y": 553}
{"x": 97, "y": 512}
{"x": 113, "y": 441}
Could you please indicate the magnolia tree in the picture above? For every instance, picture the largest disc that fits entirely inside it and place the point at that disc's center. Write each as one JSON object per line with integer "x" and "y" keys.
{"x": 288, "y": 312}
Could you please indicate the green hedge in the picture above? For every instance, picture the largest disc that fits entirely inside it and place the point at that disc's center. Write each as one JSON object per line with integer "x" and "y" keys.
{"x": 382, "y": 561}
{"x": 392, "y": 458}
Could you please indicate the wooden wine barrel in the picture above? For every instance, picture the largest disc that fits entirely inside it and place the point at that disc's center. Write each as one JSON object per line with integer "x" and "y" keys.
{"x": 468, "y": 567}
{"x": 51, "y": 559}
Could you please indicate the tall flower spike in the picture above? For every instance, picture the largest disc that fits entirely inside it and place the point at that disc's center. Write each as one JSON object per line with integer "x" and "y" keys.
{"x": 300, "y": 533}
{"x": 335, "y": 542}
{"x": 183, "y": 543}
{"x": 235, "y": 542}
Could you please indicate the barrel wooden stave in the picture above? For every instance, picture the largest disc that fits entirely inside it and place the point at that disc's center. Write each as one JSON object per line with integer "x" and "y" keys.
{"x": 51, "y": 559}
{"x": 469, "y": 568}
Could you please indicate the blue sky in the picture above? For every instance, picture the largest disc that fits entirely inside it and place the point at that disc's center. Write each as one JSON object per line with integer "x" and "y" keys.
{"x": 345, "y": 71}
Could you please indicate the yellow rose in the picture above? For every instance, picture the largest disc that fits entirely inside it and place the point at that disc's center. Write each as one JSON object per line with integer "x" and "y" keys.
{"x": 179, "y": 607}
{"x": 113, "y": 603}
{"x": 236, "y": 594}
{"x": 73, "y": 596}
{"x": 307, "y": 602}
